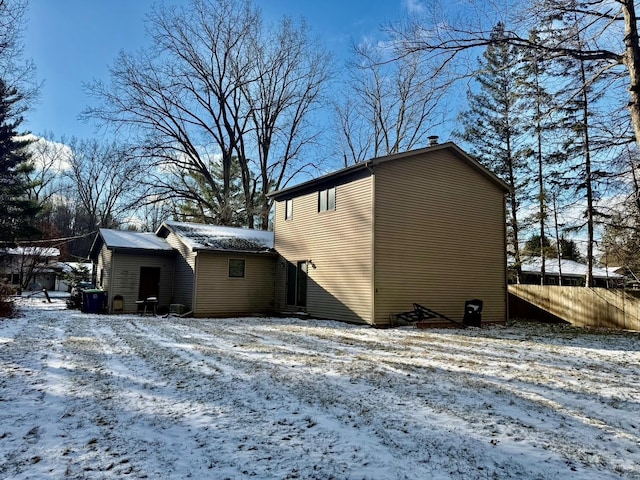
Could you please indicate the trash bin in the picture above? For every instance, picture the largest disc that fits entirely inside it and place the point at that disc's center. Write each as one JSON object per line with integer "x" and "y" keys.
{"x": 93, "y": 300}
{"x": 472, "y": 313}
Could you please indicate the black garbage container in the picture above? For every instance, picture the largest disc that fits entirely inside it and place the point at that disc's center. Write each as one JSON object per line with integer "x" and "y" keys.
{"x": 93, "y": 300}
{"x": 472, "y": 313}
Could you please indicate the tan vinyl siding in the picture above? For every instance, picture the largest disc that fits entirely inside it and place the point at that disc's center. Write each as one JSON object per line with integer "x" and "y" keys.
{"x": 185, "y": 263}
{"x": 439, "y": 238}
{"x": 126, "y": 278}
{"x": 104, "y": 265}
{"x": 339, "y": 244}
{"x": 219, "y": 295}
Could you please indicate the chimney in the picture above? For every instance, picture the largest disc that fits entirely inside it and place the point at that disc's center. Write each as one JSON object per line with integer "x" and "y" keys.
{"x": 433, "y": 140}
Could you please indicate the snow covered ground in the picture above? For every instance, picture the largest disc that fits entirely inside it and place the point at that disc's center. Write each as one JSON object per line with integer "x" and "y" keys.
{"x": 97, "y": 397}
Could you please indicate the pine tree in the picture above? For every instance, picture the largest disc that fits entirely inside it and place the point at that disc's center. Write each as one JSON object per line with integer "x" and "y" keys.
{"x": 540, "y": 103}
{"x": 17, "y": 211}
{"x": 493, "y": 125}
{"x": 583, "y": 93}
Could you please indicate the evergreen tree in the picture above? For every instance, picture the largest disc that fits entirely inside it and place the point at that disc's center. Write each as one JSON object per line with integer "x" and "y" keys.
{"x": 540, "y": 104}
{"x": 535, "y": 247}
{"x": 17, "y": 211}
{"x": 199, "y": 203}
{"x": 583, "y": 93}
{"x": 569, "y": 250}
{"x": 494, "y": 124}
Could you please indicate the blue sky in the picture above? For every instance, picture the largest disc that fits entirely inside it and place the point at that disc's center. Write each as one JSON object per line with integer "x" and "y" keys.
{"x": 74, "y": 41}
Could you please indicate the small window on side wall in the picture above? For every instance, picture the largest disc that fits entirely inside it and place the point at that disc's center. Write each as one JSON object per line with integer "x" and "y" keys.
{"x": 327, "y": 199}
{"x": 288, "y": 209}
{"x": 236, "y": 268}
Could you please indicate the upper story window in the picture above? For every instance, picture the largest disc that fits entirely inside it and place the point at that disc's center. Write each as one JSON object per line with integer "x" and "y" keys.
{"x": 288, "y": 209}
{"x": 327, "y": 199}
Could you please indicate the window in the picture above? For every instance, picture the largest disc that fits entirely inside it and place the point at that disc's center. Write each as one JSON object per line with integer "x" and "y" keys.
{"x": 236, "y": 268}
{"x": 327, "y": 199}
{"x": 288, "y": 209}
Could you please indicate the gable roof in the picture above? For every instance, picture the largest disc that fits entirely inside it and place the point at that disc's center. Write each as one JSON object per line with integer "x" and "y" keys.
{"x": 128, "y": 240}
{"x": 364, "y": 168}
{"x": 198, "y": 236}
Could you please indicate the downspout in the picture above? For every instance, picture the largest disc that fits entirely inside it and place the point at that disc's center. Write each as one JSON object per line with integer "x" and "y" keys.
{"x": 194, "y": 295}
{"x": 110, "y": 291}
{"x": 373, "y": 245}
{"x": 506, "y": 266}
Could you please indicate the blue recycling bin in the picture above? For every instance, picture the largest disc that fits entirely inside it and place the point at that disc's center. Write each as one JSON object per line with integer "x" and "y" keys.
{"x": 93, "y": 301}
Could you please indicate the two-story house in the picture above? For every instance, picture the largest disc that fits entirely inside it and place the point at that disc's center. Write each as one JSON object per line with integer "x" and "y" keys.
{"x": 361, "y": 245}
{"x": 367, "y": 242}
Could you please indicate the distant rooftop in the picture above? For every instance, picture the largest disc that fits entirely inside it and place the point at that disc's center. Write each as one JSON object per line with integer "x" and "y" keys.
{"x": 570, "y": 268}
{"x": 32, "y": 251}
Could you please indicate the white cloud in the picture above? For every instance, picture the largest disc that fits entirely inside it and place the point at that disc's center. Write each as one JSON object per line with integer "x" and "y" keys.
{"x": 414, "y": 6}
{"x": 49, "y": 155}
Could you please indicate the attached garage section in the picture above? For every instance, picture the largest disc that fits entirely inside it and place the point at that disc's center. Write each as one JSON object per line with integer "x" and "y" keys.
{"x": 139, "y": 276}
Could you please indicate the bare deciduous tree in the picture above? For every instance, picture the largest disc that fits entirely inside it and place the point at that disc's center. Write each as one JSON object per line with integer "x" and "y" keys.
{"x": 395, "y": 106}
{"x": 609, "y": 29}
{"x": 291, "y": 70}
{"x": 217, "y": 83}
{"x": 103, "y": 179}
{"x": 15, "y": 70}
{"x": 50, "y": 159}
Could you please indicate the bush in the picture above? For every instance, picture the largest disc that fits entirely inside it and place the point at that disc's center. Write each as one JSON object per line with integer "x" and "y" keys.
{"x": 7, "y": 306}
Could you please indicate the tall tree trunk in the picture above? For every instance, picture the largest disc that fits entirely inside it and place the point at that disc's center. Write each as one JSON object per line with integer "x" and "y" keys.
{"x": 541, "y": 194}
{"x": 515, "y": 230}
{"x": 588, "y": 180}
{"x": 555, "y": 216}
{"x": 631, "y": 59}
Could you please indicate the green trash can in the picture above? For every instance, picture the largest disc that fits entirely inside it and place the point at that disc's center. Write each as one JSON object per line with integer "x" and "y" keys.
{"x": 94, "y": 301}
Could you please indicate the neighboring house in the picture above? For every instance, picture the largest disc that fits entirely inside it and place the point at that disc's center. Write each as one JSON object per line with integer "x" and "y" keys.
{"x": 573, "y": 273}
{"x": 133, "y": 266}
{"x": 208, "y": 270}
{"x": 221, "y": 271}
{"x": 29, "y": 267}
{"x": 366, "y": 242}
{"x": 67, "y": 270}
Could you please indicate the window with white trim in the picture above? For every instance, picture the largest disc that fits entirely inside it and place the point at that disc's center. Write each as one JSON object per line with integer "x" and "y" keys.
{"x": 288, "y": 209}
{"x": 327, "y": 199}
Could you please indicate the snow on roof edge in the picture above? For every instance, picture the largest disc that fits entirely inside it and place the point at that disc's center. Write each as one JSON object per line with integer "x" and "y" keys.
{"x": 200, "y": 236}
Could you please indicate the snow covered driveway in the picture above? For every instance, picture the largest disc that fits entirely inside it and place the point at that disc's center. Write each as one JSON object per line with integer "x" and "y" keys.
{"x": 93, "y": 397}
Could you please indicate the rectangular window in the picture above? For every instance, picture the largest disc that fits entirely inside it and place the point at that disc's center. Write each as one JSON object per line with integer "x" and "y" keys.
{"x": 288, "y": 209}
{"x": 327, "y": 199}
{"x": 236, "y": 268}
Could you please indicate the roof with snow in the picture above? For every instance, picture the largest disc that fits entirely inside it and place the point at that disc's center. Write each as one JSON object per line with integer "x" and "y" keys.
{"x": 570, "y": 268}
{"x": 32, "y": 251}
{"x": 128, "y": 240}
{"x": 68, "y": 267}
{"x": 198, "y": 236}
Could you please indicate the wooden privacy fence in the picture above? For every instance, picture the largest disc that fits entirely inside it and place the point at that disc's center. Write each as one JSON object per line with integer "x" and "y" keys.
{"x": 581, "y": 306}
